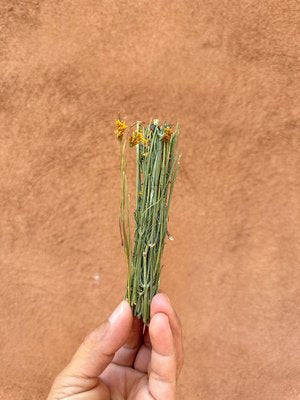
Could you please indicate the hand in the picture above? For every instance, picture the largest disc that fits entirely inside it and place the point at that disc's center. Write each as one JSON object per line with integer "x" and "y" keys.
{"x": 118, "y": 361}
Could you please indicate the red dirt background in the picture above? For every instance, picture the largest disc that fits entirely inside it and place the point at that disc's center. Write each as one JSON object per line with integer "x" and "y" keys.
{"x": 229, "y": 73}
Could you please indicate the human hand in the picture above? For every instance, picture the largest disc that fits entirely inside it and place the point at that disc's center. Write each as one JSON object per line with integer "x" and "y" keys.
{"x": 118, "y": 361}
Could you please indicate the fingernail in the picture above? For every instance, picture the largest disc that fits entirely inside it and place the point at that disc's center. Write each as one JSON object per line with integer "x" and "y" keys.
{"x": 116, "y": 313}
{"x": 167, "y": 298}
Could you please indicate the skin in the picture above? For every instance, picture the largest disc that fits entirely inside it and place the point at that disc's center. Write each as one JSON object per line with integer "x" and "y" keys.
{"x": 119, "y": 360}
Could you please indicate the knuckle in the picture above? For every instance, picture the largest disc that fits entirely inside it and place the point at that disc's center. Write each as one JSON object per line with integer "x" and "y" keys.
{"x": 164, "y": 378}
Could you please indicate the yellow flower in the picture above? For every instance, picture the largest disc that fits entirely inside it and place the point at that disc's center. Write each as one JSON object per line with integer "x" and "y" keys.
{"x": 119, "y": 134}
{"x": 144, "y": 140}
{"x": 136, "y": 138}
{"x": 120, "y": 128}
{"x": 121, "y": 125}
{"x": 168, "y": 132}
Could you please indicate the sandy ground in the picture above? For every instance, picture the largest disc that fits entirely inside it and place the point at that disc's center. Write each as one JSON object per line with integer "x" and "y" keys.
{"x": 229, "y": 73}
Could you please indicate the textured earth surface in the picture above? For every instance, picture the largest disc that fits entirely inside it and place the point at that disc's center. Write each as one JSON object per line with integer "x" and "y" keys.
{"x": 229, "y": 73}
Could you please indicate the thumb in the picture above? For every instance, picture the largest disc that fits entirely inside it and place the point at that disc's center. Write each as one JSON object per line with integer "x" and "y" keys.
{"x": 99, "y": 347}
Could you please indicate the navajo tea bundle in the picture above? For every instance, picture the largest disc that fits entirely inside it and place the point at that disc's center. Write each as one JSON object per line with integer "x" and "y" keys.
{"x": 157, "y": 163}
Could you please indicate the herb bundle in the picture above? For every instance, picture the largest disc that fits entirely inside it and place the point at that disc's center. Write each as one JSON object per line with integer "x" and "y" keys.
{"x": 157, "y": 162}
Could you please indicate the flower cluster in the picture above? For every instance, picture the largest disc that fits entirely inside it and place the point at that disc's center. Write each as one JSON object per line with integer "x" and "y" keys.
{"x": 120, "y": 128}
{"x": 165, "y": 132}
{"x": 168, "y": 132}
{"x": 136, "y": 138}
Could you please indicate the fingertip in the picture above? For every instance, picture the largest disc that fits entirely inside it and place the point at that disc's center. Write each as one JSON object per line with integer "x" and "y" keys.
{"x": 122, "y": 311}
{"x": 126, "y": 308}
{"x": 162, "y": 376}
{"x": 160, "y": 303}
{"x": 127, "y": 312}
{"x": 161, "y": 334}
{"x": 161, "y": 296}
{"x": 158, "y": 322}
{"x": 120, "y": 323}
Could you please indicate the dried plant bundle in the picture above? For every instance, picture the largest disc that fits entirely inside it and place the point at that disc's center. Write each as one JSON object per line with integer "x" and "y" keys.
{"x": 157, "y": 162}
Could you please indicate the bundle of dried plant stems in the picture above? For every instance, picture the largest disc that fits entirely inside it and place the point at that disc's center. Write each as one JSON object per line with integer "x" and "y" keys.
{"x": 157, "y": 162}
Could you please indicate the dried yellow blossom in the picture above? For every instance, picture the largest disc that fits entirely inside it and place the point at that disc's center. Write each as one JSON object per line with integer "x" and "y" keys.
{"x": 144, "y": 140}
{"x": 136, "y": 138}
{"x": 120, "y": 128}
{"x": 168, "y": 132}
